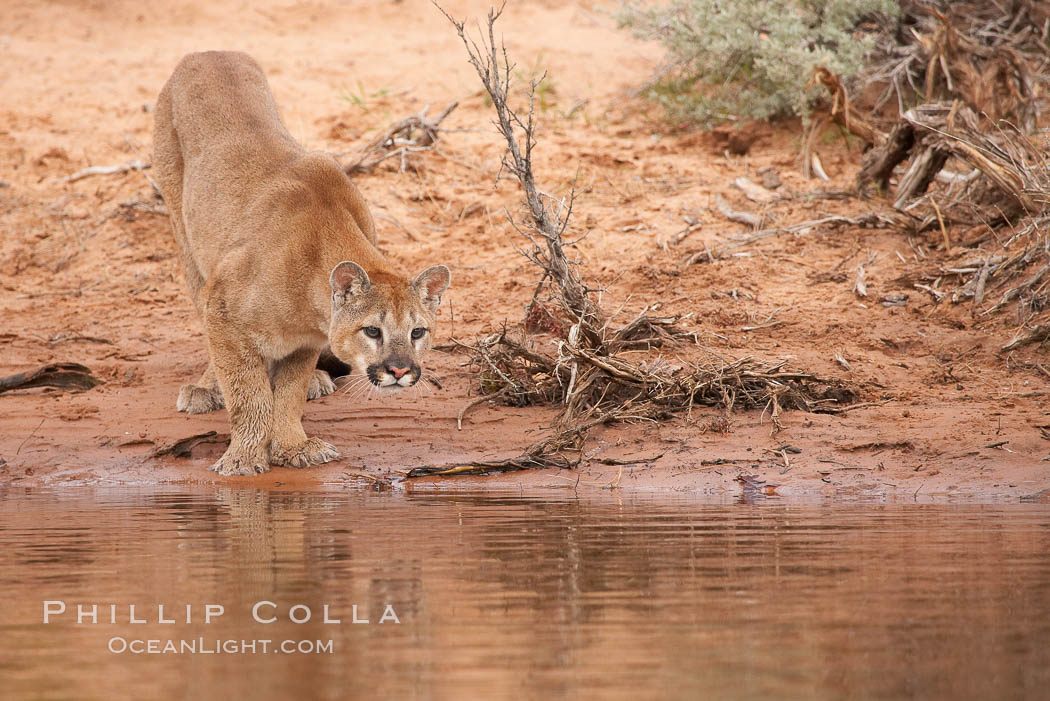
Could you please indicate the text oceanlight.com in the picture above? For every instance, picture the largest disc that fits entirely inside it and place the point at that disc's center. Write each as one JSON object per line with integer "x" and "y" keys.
{"x": 203, "y": 646}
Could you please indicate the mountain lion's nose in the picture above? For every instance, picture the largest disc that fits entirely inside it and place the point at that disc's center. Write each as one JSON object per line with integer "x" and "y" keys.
{"x": 396, "y": 372}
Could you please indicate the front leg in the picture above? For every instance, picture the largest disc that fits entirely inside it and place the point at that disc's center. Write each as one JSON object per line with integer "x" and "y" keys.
{"x": 245, "y": 384}
{"x": 289, "y": 444}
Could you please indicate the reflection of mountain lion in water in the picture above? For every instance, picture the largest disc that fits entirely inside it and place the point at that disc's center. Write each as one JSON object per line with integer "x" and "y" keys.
{"x": 278, "y": 248}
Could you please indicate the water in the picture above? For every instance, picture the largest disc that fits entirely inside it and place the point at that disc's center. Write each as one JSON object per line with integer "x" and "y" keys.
{"x": 505, "y": 597}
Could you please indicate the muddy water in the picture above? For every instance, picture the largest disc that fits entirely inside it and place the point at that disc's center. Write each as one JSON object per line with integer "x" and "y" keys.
{"x": 509, "y": 597}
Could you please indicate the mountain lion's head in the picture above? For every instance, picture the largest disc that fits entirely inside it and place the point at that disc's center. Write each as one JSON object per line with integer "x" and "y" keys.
{"x": 383, "y": 327}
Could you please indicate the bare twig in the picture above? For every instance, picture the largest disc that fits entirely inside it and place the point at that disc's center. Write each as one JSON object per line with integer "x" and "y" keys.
{"x": 107, "y": 170}
{"x": 549, "y": 216}
{"x": 860, "y": 287}
{"x": 1038, "y": 335}
{"x": 31, "y": 433}
{"x": 868, "y": 221}
{"x": 739, "y": 217}
{"x": 471, "y": 405}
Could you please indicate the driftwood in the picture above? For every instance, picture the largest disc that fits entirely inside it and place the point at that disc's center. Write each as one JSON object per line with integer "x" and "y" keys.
{"x": 184, "y": 448}
{"x": 69, "y": 376}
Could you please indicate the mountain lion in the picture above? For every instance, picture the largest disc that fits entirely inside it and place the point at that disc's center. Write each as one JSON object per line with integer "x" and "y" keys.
{"x": 278, "y": 248}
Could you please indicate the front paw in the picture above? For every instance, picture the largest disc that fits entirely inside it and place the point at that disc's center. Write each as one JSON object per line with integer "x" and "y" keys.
{"x": 238, "y": 464}
{"x": 313, "y": 451}
{"x": 321, "y": 385}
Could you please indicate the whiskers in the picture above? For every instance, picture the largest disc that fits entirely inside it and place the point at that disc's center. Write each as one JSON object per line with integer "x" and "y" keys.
{"x": 424, "y": 388}
{"x": 358, "y": 385}
{"x": 359, "y": 388}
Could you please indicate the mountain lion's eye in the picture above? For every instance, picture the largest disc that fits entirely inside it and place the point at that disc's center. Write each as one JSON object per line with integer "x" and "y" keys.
{"x": 418, "y": 333}
{"x": 372, "y": 331}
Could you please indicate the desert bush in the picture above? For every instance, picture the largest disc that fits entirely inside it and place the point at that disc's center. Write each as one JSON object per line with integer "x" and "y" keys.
{"x": 751, "y": 58}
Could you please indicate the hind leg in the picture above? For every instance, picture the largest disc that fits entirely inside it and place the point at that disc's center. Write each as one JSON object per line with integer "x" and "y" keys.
{"x": 205, "y": 395}
{"x": 169, "y": 171}
{"x": 202, "y": 396}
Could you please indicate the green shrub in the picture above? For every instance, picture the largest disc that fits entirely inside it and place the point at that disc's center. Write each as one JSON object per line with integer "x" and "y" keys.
{"x": 751, "y": 58}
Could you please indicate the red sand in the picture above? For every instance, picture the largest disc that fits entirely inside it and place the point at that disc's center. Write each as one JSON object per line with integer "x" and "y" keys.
{"x": 80, "y": 79}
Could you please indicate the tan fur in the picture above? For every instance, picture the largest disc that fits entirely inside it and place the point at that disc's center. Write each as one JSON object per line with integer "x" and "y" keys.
{"x": 277, "y": 246}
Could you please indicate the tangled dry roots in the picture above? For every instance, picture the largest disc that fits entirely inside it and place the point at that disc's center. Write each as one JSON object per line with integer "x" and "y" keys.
{"x": 991, "y": 56}
{"x": 972, "y": 166}
{"x": 596, "y": 387}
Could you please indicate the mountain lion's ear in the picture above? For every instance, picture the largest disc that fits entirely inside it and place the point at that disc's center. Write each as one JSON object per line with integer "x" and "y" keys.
{"x": 431, "y": 284}
{"x": 348, "y": 279}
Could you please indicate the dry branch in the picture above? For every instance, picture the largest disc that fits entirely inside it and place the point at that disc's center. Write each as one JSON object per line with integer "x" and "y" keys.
{"x": 107, "y": 170}
{"x": 1006, "y": 200}
{"x": 549, "y": 216}
{"x": 412, "y": 134}
{"x": 931, "y": 134}
{"x": 870, "y": 220}
{"x": 1038, "y": 335}
{"x": 753, "y": 191}
{"x": 842, "y": 110}
{"x": 597, "y": 389}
